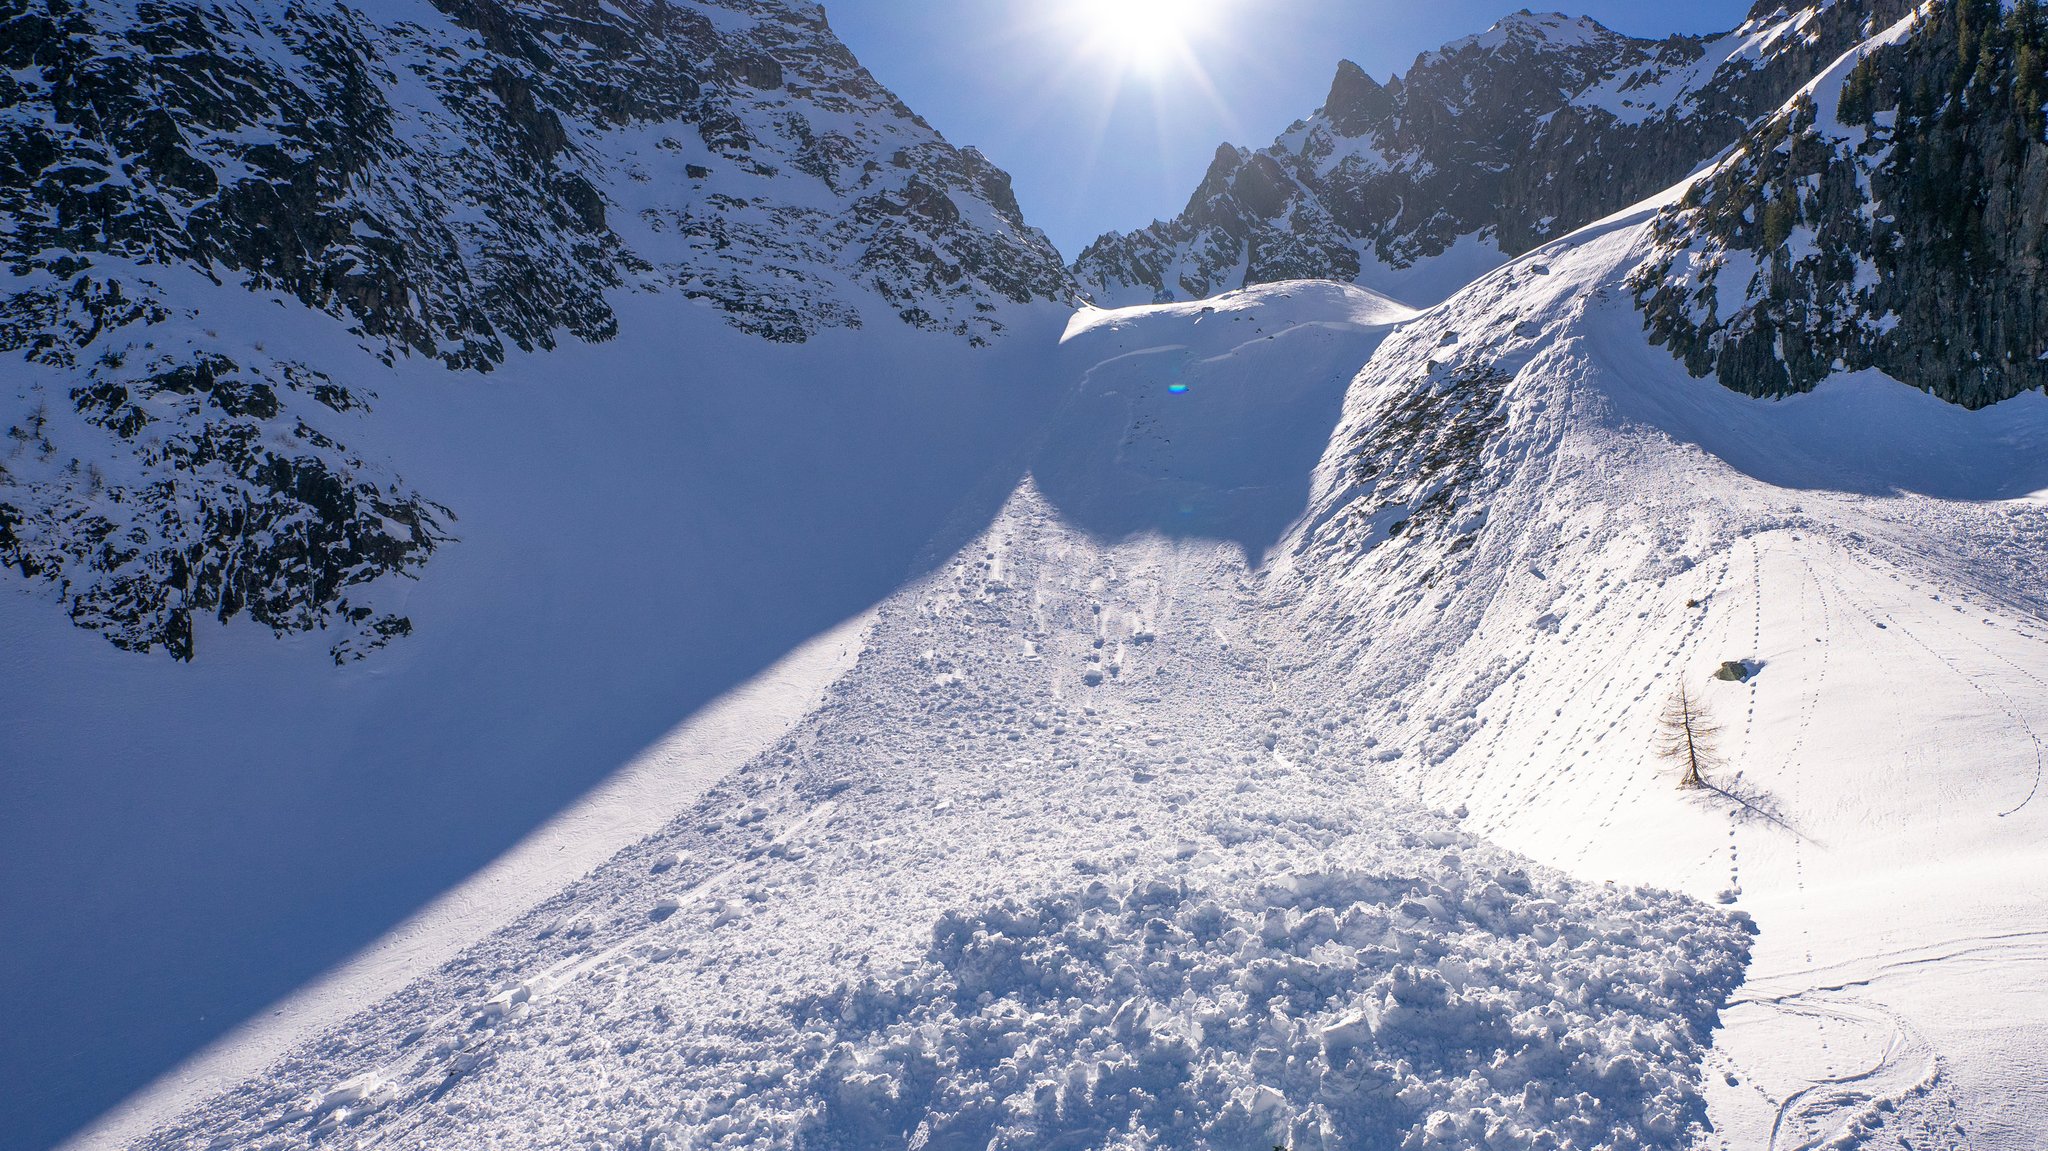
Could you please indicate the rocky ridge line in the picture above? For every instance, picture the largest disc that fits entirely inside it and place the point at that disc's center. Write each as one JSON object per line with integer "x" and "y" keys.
{"x": 1488, "y": 147}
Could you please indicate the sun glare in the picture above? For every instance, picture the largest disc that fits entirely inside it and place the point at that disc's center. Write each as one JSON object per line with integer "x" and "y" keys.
{"x": 1145, "y": 35}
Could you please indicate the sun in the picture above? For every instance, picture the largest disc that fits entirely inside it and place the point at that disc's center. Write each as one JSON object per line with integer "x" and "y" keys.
{"x": 1145, "y": 35}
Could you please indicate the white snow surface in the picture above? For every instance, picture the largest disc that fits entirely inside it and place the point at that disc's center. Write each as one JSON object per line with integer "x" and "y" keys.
{"x": 981, "y": 897}
{"x": 1202, "y": 788}
{"x": 1871, "y": 555}
{"x": 634, "y": 801}
{"x": 644, "y": 527}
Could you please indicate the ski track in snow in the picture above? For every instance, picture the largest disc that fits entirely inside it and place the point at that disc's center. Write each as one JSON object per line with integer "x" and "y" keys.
{"x": 1993, "y": 698}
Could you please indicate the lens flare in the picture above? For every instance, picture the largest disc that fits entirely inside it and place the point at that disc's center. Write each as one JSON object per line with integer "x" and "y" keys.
{"x": 1148, "y": 36}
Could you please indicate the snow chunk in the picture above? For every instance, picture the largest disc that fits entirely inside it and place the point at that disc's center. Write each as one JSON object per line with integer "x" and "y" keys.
{"x": 1309, "y": 1008}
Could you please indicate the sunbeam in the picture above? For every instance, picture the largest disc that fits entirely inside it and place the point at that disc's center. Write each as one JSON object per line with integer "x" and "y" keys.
{"x": 1150, "y": 37}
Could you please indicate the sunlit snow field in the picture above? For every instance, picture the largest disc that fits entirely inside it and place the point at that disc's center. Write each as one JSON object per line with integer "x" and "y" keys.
{"x": 1168, "y": 802}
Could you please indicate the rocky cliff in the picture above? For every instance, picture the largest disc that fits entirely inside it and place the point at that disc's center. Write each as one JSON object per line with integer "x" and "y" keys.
{"x": 455, "y": 181}
{"x": 1894, "y": 216}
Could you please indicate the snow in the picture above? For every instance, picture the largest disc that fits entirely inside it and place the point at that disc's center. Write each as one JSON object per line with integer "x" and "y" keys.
{"x": 1123, "y": 823}
{"x": 1315, "y": 302}
{"x": 1552, "y": 30}
{"x": 884, "y": 743}
{"x": 1432, "y": 279}
{"x": 1659, "y": 90}
{"x": 644, "y": 526}
{"x": 1368, "y": 988}
{"x": 657, "y": 785}
{"x": 1871, "y": 550}
{"x": 1207, "y": 418}
{"x": 944, "y": 906}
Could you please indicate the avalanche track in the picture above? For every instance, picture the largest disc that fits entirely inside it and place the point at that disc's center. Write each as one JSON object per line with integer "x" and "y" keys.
{"x": 1167, "y": 814}
{"x": 1058, "y": 863}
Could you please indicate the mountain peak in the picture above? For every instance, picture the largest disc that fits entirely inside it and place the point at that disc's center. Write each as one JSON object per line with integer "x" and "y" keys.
{"x": 1548, "y": 29}
{"x": 1487, "y": 147}
{"x": 1357, "y": 102}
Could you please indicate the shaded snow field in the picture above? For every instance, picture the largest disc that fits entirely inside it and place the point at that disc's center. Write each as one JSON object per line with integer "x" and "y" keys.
{"x": 1063, "y": 858}
{"x": 1128, "y": 828}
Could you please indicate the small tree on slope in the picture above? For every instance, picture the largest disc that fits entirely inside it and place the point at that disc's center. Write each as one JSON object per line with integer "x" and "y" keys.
{"x": 1686, "y": 737}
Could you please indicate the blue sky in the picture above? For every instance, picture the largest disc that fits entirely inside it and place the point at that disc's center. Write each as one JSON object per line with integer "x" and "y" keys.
{"x": 1099, "y": 136}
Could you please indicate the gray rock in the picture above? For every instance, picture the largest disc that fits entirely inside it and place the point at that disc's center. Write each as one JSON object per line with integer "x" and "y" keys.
{"x": 1513, "y": 138}
{"x": 1909, "y": 238}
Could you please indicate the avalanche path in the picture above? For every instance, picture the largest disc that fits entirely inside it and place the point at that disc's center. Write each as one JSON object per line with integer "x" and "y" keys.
{"x": 1127, "y": 827}
{"x": 1052, "y": 865}
{"x": 1065, "y": 859}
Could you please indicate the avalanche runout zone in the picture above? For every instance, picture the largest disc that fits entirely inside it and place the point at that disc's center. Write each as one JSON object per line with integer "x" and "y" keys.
{"x": 1059, "y": 863}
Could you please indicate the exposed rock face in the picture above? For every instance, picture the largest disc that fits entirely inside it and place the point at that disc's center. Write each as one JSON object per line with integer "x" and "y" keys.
{"x": 452, "y": 179}
{"x": 209, "y": 494}
{"x": 1415, "y": 465}
{"x": 446, "y": 180}
{"x": 1897, "y": 219}
{"x": 1489, "y": 147}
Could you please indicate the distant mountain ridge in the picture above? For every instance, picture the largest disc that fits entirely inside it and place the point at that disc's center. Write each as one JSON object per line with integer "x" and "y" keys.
{"x": 1485, "y": 149}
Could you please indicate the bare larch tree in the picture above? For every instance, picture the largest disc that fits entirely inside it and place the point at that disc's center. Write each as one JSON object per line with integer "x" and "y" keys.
{"x": 1687, "y": 737}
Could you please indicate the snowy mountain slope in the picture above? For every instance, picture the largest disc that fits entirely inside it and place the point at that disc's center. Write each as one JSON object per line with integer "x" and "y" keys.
{"x": 646, "y": 524}
{"x": 1127, "y": 826}
{"x": 300, "y": 297}
{"x": 800, "y": 395}
{"x": 1484, "y": 149}
{"x": 1610, "y": 529}
{"x": 1097, "y": 778}
{"x": 1207, "y": 419}
{"x": 1064, "y": 857}
{"x": 471, "y": 176}
{"x": 1098, "y": 792}
{"x": 639, "y": 798}
{"x": 455, "y": 181}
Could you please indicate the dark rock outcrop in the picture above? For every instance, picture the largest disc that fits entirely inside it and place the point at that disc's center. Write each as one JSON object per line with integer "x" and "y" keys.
{"x": 224, "y": 506}
{"x": 1898, "y": 220}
